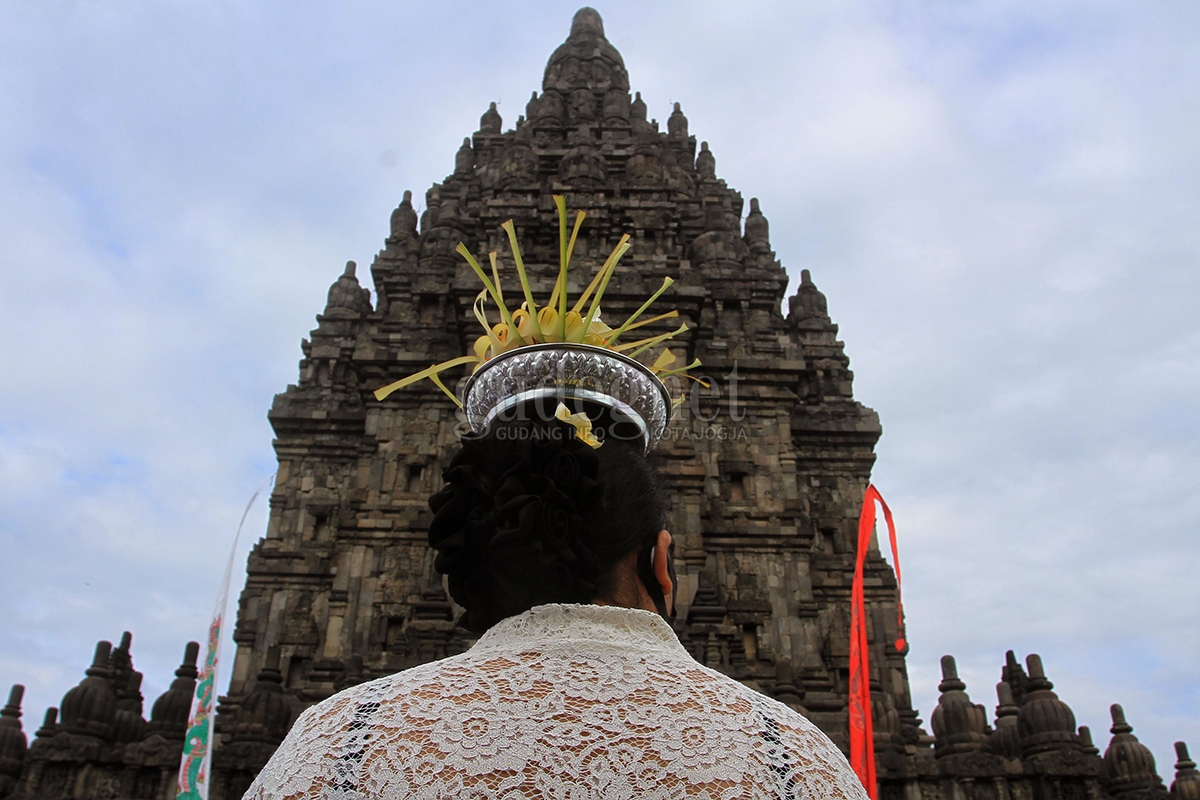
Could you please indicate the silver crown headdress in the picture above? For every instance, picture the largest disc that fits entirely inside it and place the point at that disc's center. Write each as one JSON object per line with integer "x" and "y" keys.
{"x": 561, "y": 354}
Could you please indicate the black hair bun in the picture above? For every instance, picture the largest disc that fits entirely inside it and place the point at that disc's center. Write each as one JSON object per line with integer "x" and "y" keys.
{"x": 510, "y": 525}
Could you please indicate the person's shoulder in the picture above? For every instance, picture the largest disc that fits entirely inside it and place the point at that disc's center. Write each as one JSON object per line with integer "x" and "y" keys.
{"x": 711, "y": 679}
{"x": 797, "y": 754}
{"x": 769, "y": 707}
{"x": 366, "y": 698}
{"x": 305, "y": 762}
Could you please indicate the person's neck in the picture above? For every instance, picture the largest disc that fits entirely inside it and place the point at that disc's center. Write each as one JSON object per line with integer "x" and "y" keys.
{"x": 630, "y": 593}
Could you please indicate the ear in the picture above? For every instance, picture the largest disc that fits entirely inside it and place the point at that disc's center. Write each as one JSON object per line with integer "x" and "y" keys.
{"x": 662, "y": 572}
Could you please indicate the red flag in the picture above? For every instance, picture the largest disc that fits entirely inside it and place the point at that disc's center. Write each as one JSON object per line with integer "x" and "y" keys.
{"x": 862, "y": 733}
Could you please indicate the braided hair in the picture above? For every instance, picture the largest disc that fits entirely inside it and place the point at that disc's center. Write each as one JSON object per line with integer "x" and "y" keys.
{"x": 529, "y": 514}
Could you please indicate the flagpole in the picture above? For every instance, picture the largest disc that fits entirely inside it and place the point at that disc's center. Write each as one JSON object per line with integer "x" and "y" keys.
{"x": 195, "y": 764}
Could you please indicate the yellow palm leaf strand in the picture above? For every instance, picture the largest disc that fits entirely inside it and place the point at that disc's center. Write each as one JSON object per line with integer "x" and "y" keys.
{"x": 437, "y": 380}
{"x": 574, "y": 328}
{"x": 530, "y": 306}
{"x": 507, "y": 336}
{"x": 599, "y": 328}
{"x": 644, "y": 344}
{"x": 524, "y": 324}
{"x": 610, "y": 268}
{"x": 616, "y": 254}
{"x": 664, "y": 358}
{"x": 681, "y": 372}
{"x": 481, "y": 347}
{"x": 383, "y": 392}
{"x": 560, "y": 203}
{"x": 678, "y": 370}
{"x": 652, "y": 320}
{"x": 558, "y": 298}
{"x": 633, "y": 317}
{"x": 581, "y": 423}
{"x": 477, "y": 308}
{"x": 579, "y": 217}
{"x": 548, "y": 319}
{"x": 496, "y": 275}
{"x": 562, "y": 297}
{"x": 491, "y": 288}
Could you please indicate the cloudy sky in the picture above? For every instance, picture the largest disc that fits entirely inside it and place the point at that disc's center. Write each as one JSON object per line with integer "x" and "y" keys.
{"x": 998, "y": 198}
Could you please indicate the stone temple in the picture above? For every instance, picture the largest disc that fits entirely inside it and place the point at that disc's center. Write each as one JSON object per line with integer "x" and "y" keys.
{"x": 766, "y": 470}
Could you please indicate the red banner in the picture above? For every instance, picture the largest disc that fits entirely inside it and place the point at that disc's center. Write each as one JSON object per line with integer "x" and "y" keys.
{"x": 862, "y": 733}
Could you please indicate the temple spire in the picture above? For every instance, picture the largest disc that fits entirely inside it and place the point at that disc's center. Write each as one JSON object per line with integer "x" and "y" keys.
{"x": 586, "y": 60}
{"x": 1046, "y": 722}
{"x": 13, "y": 743}
{"x": 677, "y": 123}
{"x": 490, "y": 122}
{"x": 958, "y": 724}
{"x": 1128, "y": 764}
{"x": 1186, "y": 785}
{"x": 404, "y": 218}
{"x": 169, "y": 715}
{"x": 586, "y": 21}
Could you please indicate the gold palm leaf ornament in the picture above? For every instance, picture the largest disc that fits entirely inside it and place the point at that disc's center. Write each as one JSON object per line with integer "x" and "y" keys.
{"x": 557, "y": 321}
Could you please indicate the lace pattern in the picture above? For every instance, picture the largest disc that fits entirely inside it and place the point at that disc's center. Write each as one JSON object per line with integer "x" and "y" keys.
{"x": 563, "y": 702}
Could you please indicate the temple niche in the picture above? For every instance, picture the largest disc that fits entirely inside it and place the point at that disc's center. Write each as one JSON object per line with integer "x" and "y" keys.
{"x": 766, "y": 470}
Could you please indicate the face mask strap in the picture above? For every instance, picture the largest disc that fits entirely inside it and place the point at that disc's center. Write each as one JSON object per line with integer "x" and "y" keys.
{"x": 650, "y": 580}
{"x": 674, "y": 579}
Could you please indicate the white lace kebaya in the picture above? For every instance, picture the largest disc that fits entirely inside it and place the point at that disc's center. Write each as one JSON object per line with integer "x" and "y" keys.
{"x": 563, "y": 702}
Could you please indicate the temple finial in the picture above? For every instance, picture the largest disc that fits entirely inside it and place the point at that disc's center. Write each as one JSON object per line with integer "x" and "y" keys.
{"x": 706, "y": 163}
{"x": 587, "y": 20}
{"x": 490, "y": 122}
{"x": 677, "y": 123}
